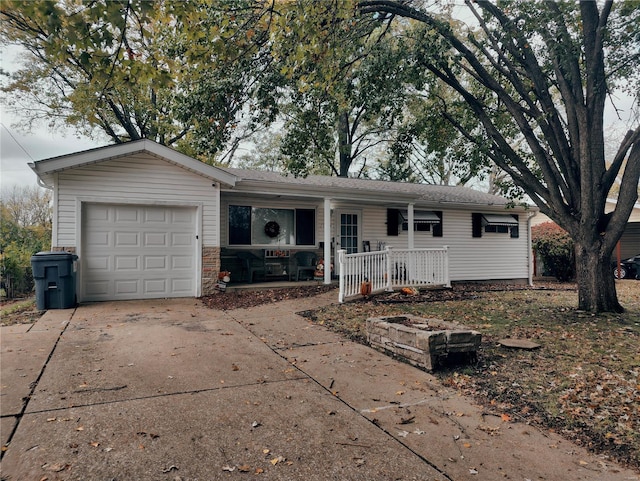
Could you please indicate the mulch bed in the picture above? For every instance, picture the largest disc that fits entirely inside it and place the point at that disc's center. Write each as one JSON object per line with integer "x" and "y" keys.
{"x": 226, "y": 301}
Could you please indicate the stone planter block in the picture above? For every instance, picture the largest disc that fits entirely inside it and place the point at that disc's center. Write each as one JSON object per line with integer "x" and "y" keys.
{"x": 419, "y": 341}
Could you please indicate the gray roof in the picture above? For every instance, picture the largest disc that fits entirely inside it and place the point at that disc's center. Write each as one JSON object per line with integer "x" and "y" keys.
{"x": 419, "y": 192}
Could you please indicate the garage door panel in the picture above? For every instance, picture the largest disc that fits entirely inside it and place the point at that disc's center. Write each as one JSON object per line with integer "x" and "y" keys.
{"x": 155, "y": 262}
{"x": 97, "y": 263}
{"x": 181, "y": 239}
{"x": 127, "y": 239}
{"x": 182, "y": 262}
{"x": 95, "y": 289}
{"x": 126, "y": 286}
{"x": 127, "y": 214}
{"x": 136, "y": 252}
{"x": 182, "y": 217}
{"x": 98, "y": 213}
{"x": 183, "y": 286}
{"x": 155, "y": 215}
{"x": 127, "y": 263}
{"x": 155, "y": 286}
{"x": 155, "y": 239}
{"x": 99, "y": 239}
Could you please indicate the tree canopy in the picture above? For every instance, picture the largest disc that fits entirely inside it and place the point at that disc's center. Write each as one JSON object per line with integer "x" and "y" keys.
{"x": 179, "y": 73}
{"x": 548, "y": 67}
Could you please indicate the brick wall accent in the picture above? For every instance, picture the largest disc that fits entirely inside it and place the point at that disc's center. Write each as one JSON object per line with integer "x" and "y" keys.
{"x": 64, "y": 249}
{"x": 210, "y": 269}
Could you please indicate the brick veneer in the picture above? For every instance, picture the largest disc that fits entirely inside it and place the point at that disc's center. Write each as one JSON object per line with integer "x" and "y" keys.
{"x": 210, "y": 269}
{"x": 64, "y": 249}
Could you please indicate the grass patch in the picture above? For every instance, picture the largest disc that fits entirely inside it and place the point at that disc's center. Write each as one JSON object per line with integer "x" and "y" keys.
{"x": 19, "y": 312}
{"x": 584, "y": 382}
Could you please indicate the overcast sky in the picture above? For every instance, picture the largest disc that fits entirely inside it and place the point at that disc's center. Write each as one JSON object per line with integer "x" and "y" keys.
{"x": 18, "y": 149}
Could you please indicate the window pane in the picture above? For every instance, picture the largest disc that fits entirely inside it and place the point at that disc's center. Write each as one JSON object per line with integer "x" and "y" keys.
{"x": 239, "y": 225}
{"x": 272, "y": 226}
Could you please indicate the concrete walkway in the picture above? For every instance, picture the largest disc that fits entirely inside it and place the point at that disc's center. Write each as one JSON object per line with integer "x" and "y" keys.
{"x": 171, "y": 390}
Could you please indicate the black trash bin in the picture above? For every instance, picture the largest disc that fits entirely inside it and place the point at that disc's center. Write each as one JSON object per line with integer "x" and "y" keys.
{"x": 54, "y": 274}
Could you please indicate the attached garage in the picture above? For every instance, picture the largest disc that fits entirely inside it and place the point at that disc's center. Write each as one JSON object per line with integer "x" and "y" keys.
{"x": 138, "y": 252}
{"x": 142, "y": 218}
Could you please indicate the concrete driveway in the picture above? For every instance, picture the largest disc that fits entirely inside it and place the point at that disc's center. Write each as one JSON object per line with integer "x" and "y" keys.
{"x": 171, "y": 390}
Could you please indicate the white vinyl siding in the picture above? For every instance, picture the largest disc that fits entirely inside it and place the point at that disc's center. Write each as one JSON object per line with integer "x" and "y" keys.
{"x": 492, "y": 256}
{"x": 630, "y": 241}
{"x": 137, "y": 179}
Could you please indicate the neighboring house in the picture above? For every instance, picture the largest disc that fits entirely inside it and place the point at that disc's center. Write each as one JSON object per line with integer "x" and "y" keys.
{"x": 147, "y": 221}
{"x": 629, "y": 242}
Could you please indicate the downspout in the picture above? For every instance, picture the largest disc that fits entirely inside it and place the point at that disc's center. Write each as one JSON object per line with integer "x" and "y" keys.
{"x": 54, "y": 207}
{"x": 529, "y": 247}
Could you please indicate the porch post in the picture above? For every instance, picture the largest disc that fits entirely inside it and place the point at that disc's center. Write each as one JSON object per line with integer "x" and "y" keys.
{"x": 327, "y": 241}
{"x": 410, "y": 224}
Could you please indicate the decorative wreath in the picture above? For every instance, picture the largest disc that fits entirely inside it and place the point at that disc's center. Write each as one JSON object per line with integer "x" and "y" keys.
{"x": 272, "y": 229}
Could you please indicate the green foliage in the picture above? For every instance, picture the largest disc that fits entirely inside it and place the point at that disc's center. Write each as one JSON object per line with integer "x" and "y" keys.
{"x": 346, "y": 78}
{"x": 179, "y": 73}
{"x": 25, "y": 229}
{"x": 555, "y": 247}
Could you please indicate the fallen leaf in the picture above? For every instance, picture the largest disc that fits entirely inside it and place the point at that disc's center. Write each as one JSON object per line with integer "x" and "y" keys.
{"x": 277, "y": 460}
{"x": 266, "y": 451}
{"x": 505, "y": 417}
{"x": 234, "y": 367}
{"x": 407, "y": 420}
{"x": 259, "y": 471}
{"x": 80, "y": 428}
{"x": 467, "y": 445}
{"x": 399, "y": 393}
{"x": 95, "y": 444}
{"x": 56, "y": 468}
{"x": 245, "y": 468}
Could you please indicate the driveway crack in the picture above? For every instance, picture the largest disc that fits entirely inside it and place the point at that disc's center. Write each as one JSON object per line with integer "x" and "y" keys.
{"x": 33, "y": 386}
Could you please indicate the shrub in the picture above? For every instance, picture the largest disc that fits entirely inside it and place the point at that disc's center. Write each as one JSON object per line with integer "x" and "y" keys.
{"x": 555, "y": 247}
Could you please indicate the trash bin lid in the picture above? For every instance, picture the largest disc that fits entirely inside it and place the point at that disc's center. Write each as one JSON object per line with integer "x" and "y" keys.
{"x": 53, "y": 256}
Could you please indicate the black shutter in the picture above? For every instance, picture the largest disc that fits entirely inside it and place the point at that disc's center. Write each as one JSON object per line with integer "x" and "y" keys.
{"x": 305, "y": 227}
{"x": 437, "y": 228}
{"x": 515, "y": 230}
{"x": 392, "y": 221}
{"x": 476, "y": 225}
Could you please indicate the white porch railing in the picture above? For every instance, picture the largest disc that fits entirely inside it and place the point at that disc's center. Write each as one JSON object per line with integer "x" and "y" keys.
{"x": 391, "y": 268}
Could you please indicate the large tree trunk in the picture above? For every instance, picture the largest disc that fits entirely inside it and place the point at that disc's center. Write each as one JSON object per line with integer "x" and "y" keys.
{"x": 344, "y": 145}
{"x": 596, "y": 284}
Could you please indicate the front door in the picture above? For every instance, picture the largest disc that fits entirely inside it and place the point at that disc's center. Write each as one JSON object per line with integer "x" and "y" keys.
{"x": 348, "y": 231}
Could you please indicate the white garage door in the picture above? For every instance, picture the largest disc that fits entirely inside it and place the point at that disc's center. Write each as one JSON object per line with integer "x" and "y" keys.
{"x": 137, "y": 252}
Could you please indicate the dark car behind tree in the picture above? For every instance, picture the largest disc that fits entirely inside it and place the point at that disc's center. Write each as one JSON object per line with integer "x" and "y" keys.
{"x": 629, "y": 268}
